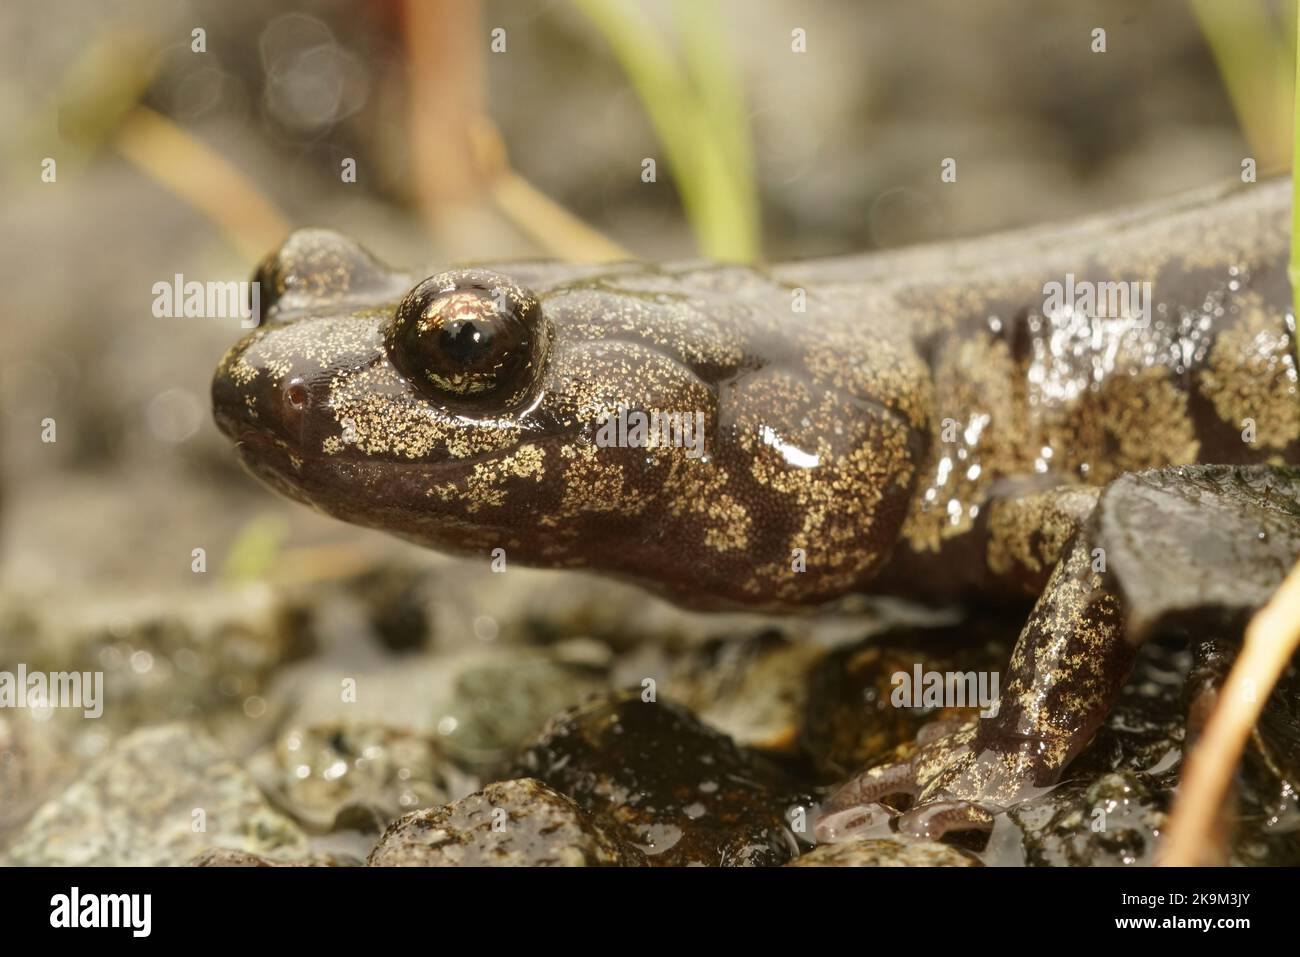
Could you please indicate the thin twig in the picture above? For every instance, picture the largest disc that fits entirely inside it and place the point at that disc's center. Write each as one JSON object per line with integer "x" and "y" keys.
{"x": 548, "y": 224}
{"x": 200, "y": 176}
{"x": 1271, "y": 638}
{"x": 446, "y": 90}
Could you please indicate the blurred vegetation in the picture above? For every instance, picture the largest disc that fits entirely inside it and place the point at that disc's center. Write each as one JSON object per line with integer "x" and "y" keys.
{"x": 1293, "y": 270}
{"x": 1250, "y": 47}
{"x": 1261, "y": 74}
{"x": 699, "y": 115}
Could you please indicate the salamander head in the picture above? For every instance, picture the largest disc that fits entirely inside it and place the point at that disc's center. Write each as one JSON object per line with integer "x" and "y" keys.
{"x": 454, "y": 410}
{"x": 469, "y": 412}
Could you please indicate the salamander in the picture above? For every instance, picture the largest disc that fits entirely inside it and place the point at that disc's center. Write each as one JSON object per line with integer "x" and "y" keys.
{"x": 934, "y": 423}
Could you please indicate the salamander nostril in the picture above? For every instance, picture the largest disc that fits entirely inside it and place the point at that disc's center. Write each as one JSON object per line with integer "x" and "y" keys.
{"x": 296, "y": 395}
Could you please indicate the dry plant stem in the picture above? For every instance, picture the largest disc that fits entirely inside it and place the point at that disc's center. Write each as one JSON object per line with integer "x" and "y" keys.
{"x": 199, "y": 175}
{"x": 548, "y": 224}
{"x": 1199, "y": 711}
{"x": 456, "y": 155}
{"x": 1271, "y": 639}
{"x": 444, "y": 56}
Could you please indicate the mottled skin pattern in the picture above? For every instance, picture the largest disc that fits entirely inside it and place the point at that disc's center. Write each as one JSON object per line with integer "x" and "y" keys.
{"x": 916, "y": 423}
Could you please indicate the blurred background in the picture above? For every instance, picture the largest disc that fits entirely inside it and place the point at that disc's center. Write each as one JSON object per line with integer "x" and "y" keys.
{"x": 189, "y": 136}
{"x": 498, "y": 130}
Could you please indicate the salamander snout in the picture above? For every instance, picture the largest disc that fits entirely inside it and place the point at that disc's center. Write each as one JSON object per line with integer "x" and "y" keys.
{"x": 269, "y": 405}
{"x": 231, "y": 412}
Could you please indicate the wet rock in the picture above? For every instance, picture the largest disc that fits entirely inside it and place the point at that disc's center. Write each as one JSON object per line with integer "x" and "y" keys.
{"x": 1113, "y": 806}
{"x": 1279, "y": 727}
{"x": 480, "y": 702}
{"x": 38, "y": 754}
{"x": 1115, "y": 820}
{"x": 163, "y": 659}
{"x": 682, "y": 792}
{"x": 396, "y": 599}
{"x": 223, "y": 857}
{"x": 1266, "y": 790}
{"x": 1193, "y": 544}
{"x": 520, "y": 823}
{"x": 500, "y": 702}
{"x": 1268, "y": 819}
{"x": 851, "y": 719}
{"x": 160, "y": 796}
{"x": 753, "y": 688}
{"x": 408, "y": 692}
{"x": 353, "y": 774}
{"x": 886, "y": 853}
{"x": 1145, "y": 729}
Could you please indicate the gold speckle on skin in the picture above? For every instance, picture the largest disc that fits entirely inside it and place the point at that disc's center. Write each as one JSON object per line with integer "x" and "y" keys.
{"x": 241, "y": 372}
{"x": 860, "y": 462}
{"x": 1042, "y": 420}
{"x": 905, "y": 404}
{"x": 485, "y": 486}
{"x": 1027, "y": 533}
{"x": 1251, "y": 374}
{"x": 1077, "y": 622}
{"x": 695, "y": 329}
{"x": 386, "y": 422}
{"x": 981, "y": 431}
{"x": 919, "y": 401}
{"x": 1137, "y": 421}
{"x": 699, "y": 492}
{"x": 592, "y": 482}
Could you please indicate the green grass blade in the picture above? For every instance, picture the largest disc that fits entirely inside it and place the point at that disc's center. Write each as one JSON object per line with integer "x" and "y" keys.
{"x": 1251, "y": 54}
{"x": 716, "y": 187}
{"x": 1293, "y": 268}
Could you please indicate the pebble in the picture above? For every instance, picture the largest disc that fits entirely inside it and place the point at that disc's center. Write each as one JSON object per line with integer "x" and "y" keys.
{"x": 519, "y": 823}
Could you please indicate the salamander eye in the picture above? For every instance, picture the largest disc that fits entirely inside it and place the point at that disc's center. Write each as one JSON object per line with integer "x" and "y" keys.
{"x": 468, "y": 334}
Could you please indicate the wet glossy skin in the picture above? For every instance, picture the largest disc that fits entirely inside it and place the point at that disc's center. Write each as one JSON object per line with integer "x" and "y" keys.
{"x": 920, "y": 423}
{"x": 802, "y": 451}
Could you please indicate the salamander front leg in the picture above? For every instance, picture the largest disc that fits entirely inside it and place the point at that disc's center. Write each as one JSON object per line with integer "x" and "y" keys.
{"x": 1068, "y": 666}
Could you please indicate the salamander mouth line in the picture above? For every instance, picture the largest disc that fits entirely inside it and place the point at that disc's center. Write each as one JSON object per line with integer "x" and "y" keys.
{"x": 253, "y": 444}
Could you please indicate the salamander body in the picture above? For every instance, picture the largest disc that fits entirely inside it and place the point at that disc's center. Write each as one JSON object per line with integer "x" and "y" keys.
{"x": 934, "y": 423}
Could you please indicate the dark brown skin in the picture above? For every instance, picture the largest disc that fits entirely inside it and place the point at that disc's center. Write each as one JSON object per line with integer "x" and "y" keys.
{"x": 921, "y": 423}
